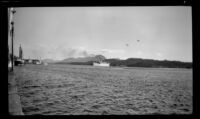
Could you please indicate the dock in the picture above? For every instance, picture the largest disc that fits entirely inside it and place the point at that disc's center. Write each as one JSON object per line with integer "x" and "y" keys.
{"x": 14, "y": 101}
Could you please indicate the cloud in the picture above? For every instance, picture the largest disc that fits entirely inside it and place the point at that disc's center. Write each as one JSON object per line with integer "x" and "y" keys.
{"x": 139, "y": 52}
{"x": 81, "y": 48}
{"x": 112, "y": 51}
{"x": 159, "y": 54}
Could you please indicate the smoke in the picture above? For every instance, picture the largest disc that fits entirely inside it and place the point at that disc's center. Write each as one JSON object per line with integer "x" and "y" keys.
{"x": 76, "y": 52}
{"x": 84, "y": 52}
{"x": 62, "y": 52}
{"x": 70, "y": 53}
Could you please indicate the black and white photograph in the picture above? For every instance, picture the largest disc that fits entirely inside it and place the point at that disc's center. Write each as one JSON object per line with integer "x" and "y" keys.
{"x": 122, "y": 60}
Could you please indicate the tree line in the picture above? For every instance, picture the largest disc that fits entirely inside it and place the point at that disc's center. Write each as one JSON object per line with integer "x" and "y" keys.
{"x": 138, "y": 62}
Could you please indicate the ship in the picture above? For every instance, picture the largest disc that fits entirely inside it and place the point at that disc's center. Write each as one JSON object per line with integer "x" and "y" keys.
{"x": 104, "y": 64}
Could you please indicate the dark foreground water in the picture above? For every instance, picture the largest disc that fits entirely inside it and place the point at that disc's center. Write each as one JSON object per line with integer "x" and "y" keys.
{"x": 81, "y": 90}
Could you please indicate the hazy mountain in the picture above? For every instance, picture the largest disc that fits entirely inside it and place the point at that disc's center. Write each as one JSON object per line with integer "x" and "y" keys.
{"x": 49, "y": 60}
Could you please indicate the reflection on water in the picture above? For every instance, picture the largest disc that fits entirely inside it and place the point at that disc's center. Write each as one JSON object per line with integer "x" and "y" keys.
{"x": 64, "y": 90}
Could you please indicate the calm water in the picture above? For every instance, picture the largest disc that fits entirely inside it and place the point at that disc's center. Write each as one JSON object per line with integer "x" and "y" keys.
{"x": 72, "y": 89}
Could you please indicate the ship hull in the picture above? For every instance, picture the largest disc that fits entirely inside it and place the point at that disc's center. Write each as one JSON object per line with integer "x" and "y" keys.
{"x": 101, "y": 64}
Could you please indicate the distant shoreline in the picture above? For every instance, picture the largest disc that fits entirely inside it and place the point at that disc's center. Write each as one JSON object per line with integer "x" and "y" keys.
{"x": 124, "y": 67}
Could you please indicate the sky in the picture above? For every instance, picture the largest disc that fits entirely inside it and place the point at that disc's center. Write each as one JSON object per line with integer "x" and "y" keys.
{"x": 159, "y": 32}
